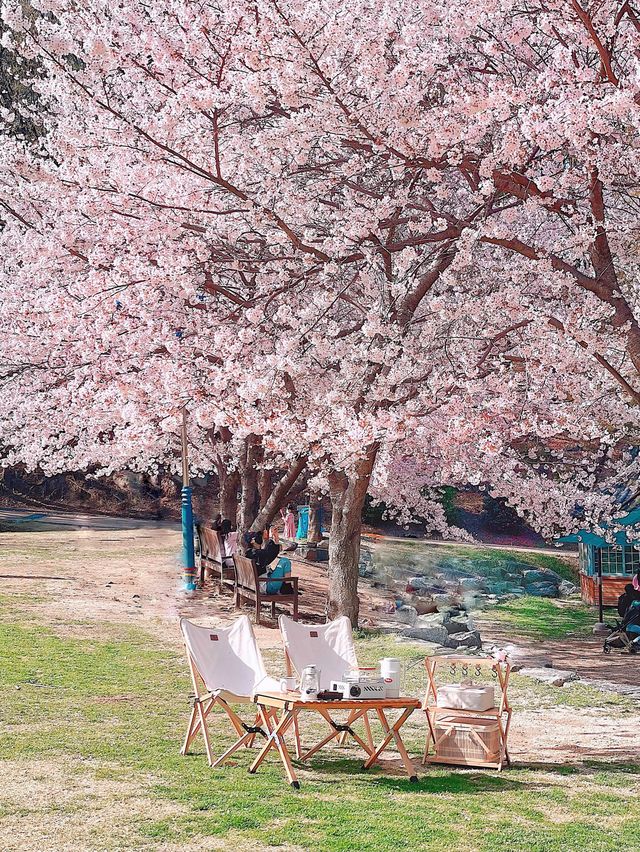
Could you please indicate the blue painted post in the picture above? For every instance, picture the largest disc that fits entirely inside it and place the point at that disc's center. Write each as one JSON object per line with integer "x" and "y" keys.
{"x": 188, "y": 556}
{"x": 188, "y": 560}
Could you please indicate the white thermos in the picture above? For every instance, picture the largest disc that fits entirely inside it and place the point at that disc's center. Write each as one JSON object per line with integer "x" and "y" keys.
{"x": 390, "y": 670}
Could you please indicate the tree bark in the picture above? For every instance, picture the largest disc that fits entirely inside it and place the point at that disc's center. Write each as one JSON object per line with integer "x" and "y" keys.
{"x": 315, "y": 515}
{"x": 228, "y": 480}
{"x": 249, "y": 485}
{"x": 264, "y": 486}
{"x": 228, "y": 502}
{"x": 278, "y": 495}
{"x": 348, "y": 491}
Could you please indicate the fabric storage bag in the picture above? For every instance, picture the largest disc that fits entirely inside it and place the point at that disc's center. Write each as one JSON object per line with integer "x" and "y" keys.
{"x": 463, "y": 696}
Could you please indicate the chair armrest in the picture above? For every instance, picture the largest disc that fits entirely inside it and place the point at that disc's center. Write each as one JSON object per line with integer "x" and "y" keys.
{"x": 288, "y": 578}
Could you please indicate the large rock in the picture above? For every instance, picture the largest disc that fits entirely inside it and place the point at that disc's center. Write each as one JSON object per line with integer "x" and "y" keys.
{"x": 498, "y": 587}
{"x": 542, "y": 590}
{"x": 457, "y": 624}
{"x": 472, "y": 584}
{"x": 443, "y": 602}
{"x": 407, "y": 614}
{"x": 566, "y": 589}
{"x": 471, "y": 639}
{"x": 434, "y": 619}
{"x": 544, "y": 575}
{"x": 437, "y": 634}
{"x": 554, "y": 677}
{"x": 420, "y": 584}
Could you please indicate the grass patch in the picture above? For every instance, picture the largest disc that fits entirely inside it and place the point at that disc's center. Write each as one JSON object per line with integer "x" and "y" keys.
{"x": 118, "y": 709}
{"x": 543, "y": 618}
{"x": 490, "y": 558}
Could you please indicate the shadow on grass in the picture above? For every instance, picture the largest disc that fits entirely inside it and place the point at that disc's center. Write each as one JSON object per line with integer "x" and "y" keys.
{"x": 468, "y": 782}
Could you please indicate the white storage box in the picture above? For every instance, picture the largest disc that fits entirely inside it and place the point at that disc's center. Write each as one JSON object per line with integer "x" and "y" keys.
{"x": 457, "y": 696}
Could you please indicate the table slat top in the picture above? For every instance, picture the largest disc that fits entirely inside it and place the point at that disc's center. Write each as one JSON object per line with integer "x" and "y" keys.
{"x": 292, "y": 699}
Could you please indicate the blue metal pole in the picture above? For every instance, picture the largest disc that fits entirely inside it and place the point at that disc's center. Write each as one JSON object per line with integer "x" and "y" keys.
{"x": 188, "y": 556}
{"x": 188, "y": 560}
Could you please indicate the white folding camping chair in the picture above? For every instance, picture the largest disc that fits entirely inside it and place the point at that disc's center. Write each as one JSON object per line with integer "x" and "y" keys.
{"x": 329, "y": 647}
{"x": 226, "y": 661}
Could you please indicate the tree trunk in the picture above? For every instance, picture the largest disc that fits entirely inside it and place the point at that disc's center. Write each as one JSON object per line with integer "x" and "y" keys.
{"x": 278, "y": 495}
{"x": 249, "y": 485}
{"x": 315, "y": 520}
{"x": 228, "y": 480}
{"x": 348, "y": 491}
{"x": 264, "y": 486}
{"x": 228, "y": 502}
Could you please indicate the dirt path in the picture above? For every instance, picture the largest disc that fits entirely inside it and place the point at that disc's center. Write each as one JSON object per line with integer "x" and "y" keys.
{"x": 580, "y": 654}
{"x": 82, "y": 571}
{"x": 474, "y": 545}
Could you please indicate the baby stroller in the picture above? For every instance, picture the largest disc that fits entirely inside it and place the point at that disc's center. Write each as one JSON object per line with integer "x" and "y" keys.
{"x": 625, "y": 636}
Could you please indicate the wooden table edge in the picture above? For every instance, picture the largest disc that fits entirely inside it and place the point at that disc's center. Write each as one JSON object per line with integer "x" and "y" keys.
{"x": 276, "y": 699}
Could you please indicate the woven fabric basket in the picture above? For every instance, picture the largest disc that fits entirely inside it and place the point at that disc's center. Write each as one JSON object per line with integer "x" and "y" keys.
{"x": 465, "y": 741}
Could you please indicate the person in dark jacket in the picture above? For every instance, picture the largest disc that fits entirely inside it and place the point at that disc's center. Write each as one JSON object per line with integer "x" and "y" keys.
{"x": 630, "y": 595}
{"x": 264, "y": 549}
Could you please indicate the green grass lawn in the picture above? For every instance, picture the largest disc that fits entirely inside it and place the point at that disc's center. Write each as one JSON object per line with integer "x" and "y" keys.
{"x": 543, "y": 618}
{"x": 114, "y": 712}
{"x": 492, "y": 557}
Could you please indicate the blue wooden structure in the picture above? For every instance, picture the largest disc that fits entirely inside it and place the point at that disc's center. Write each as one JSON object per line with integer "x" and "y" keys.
{"x": 616, "y": 562}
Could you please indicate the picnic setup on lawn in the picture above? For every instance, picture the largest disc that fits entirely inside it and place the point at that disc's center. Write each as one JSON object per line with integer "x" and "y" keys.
{"x": 466, "y": 723}
{"x": 465, "y": 706}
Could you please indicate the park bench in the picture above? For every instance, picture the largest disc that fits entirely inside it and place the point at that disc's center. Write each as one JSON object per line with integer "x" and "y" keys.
{"x": 211, "y": 549}
{"x": 248, "y": 588}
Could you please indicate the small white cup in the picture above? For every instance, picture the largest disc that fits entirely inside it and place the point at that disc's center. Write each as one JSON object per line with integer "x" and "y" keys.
{"x": 288, "y": 684}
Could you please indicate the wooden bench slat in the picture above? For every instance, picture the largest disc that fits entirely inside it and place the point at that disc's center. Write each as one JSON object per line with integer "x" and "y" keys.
{"x": 212, "y": 547}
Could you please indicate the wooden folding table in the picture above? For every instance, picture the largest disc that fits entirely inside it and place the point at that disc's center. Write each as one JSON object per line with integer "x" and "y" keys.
{"x": 290, "y": 706}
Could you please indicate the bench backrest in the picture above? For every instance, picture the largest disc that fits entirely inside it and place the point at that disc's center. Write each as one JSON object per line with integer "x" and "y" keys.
{"x": 246, "y": 573}
{"x": 210, "y": 542}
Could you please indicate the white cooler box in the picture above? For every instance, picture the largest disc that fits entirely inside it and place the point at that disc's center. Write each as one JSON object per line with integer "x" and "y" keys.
{"x": 457, "y": 696}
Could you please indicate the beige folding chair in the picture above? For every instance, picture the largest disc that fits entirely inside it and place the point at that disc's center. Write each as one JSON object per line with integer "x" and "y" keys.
{"x": 226, "y": 668}
{"x": 329, "y": 647}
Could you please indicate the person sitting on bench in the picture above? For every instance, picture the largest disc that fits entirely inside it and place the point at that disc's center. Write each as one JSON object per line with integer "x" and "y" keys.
{"x": 264, "y": 550}
{"x": 228, "y": 541}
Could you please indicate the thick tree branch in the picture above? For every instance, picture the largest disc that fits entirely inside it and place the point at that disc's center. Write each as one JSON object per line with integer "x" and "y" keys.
{"x": 278, "y": 495}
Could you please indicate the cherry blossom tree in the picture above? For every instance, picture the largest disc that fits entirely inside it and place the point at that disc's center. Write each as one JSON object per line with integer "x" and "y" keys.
{"x": 390, "y": 240}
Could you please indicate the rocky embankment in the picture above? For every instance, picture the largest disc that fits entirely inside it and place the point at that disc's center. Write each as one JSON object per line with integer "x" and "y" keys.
{"x": 438, "y": 605}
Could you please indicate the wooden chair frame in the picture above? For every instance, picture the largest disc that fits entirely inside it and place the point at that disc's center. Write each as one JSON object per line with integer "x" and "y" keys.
{"x": 340, "y": 735}
{"x": 203, "y": 703}
{"x": 247, "y": 585}
{"x": 501, "y": 713}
